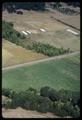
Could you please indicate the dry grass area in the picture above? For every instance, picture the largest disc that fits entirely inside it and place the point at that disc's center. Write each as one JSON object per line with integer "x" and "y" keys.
{"x": 73, "y": 20}
{"x": 55, "y": 34}
{"x": 22, "y": 113}
{"x": 13, "y": 54}
{"x": 32, "y": 20}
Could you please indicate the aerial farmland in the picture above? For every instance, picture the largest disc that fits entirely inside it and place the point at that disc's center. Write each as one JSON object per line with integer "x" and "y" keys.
{"x": 41, "y": 60}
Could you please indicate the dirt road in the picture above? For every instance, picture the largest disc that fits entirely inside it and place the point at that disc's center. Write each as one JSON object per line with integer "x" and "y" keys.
{"x": 40, "y": 61}
{"x": 22, "y": 113}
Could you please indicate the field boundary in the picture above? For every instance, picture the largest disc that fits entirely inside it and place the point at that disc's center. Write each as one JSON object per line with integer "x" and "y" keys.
{"x": 61, "y": 21}
{"x": 40, "y": 61}
{"x": 66, "y": 24}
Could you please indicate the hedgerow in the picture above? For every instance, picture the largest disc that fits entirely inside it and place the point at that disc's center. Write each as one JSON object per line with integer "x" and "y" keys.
{"x": 50, "y": 102}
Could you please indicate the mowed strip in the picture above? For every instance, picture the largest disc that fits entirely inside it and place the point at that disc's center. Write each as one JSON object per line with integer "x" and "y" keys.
{"x": 13, "y": 54}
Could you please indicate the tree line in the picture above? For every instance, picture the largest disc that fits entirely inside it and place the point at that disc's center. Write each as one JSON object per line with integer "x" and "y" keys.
{"x": 62, "y": 103}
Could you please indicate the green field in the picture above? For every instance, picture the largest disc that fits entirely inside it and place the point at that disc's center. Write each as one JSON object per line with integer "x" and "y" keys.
{"x": 58, "y": 74}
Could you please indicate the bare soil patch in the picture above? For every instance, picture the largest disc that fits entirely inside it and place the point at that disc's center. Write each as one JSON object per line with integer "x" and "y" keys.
{"x": 22, "y": 113}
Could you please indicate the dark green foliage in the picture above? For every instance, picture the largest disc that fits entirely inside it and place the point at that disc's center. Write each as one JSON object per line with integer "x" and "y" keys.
{"x": 53, "y": 95}
{"x": 12, "y": 94}
{"x": 49, "y": 100}
{"x": 68, "y": 107}
{"x": 78, "y": 102}
{"x": 73, "y": 97}
{"x": 44, "y": 91}
{"x": 19, "y": 99}
{"x": 31, "y": 102}
{"x": 44, "y": 104}
{"x": 6, "y": 92}
{"x": 50, "y": 93}
{"x": 32, "y": 90}
{"x": 9, "y": 33}
{"x": 47, "y": 49}
{"x": 76, "y": 112}
{"x": 71, "y": 110}
{"x": 65, "y": 95}
{"x": 58, "y": 109}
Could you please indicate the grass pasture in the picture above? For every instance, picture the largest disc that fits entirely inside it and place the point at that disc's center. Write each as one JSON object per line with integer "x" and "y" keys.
{"x": 13, "y": 54}
{"x": 55, "y": 34}
{"x": 58, "y": 74}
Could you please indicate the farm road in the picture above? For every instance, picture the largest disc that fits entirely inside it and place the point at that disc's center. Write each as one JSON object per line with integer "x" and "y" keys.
{"x": 39, "y": 61}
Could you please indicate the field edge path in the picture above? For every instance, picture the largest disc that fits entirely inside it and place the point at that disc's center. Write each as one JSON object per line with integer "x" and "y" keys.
{"x": 40, "y": 61}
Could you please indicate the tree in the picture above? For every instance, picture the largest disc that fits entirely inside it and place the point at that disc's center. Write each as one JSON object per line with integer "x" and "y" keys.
{"x": 54, "y": 95}
{"x": 44, "y": 104}
{"x": 6, "y": 92}
{"x": 76, "y": 112}
{"x": 58, "y": 108}
{"x": 75, "y": 98}
{"x": 32, "y": 90}
{"x": 44, "y": 91}
{"x": 65, "y": 95}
